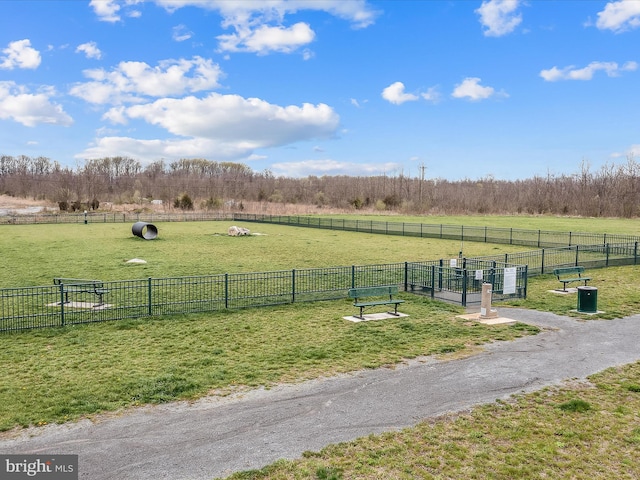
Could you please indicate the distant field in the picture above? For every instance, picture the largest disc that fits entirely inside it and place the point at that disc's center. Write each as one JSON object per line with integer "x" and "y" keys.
{"x": 549, "y": 223}
{"x": 34, "y": 254}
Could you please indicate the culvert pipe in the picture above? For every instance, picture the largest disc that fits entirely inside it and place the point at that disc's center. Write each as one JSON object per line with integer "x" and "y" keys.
{"x": 145, "y": 230}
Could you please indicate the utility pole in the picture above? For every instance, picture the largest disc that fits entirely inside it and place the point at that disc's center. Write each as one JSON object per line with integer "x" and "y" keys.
{"x": 422, "y": 169}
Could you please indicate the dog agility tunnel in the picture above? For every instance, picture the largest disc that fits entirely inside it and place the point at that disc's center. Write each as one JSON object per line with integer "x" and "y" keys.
{"x": 145, "y": 230}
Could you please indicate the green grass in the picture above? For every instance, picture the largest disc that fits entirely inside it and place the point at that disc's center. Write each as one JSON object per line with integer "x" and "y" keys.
{"x": 57, "y": 375}
{"x": 587, "y": 430}
{"x": 34, "y": 254}
{"x": 618, "y": 294}
{"x": 524, "y": 222}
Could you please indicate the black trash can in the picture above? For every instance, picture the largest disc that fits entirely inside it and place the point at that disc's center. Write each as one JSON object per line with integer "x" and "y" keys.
{"x": 587, "y": 299}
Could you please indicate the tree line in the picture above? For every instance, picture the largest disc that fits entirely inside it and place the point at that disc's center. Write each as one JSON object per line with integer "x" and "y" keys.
{"x": 611, "y": 191}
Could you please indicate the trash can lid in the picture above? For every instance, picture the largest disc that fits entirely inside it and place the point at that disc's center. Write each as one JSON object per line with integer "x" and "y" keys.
{"x": 587, "y": 288}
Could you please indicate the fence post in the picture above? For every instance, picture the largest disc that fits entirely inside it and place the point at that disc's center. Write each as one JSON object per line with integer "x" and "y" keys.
{"x": 606, "y": 247}
{"x": 577, "y": 247}
{"x": 293, "y": 285}
{"x": 353, "y": 276}
{"x": 542, "y": 265}
{"x": 149, "y": 297}
{"x": 511, "y": 236}
{"x": 464, "y": 287}
{"x": 226, "y": 291}
{"x": 406, "y": 275}
{"x": 433, "y": 281}
{"x": 61, "y": 305}
{"x": 493, "y": 275}
{"x": 635, "y": 254}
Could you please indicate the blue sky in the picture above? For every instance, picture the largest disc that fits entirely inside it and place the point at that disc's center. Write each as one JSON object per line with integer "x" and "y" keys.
{"x": 468, "y": 89}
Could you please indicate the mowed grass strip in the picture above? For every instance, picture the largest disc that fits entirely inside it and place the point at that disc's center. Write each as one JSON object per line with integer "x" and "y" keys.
{"x": 586, "y": 430}
{"x": 58, "y": 375}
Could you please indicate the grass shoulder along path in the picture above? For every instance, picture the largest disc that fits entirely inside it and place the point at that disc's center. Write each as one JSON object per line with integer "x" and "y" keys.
{"x": 59, "y": 375}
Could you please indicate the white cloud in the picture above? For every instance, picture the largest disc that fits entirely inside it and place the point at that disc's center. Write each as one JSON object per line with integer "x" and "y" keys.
{"x": 471, "y": 89}
{"x": 181, "y": 33}
{"x": 223, "y": 127}
{"x": 265, "y": 39}
{"x": 130, "y": 81}
{"x": 619, "y": 16}
{"x": 20, "y": 54}
{"x": 30, "y": 109}
{"x": 111, "y": 10}
{"x": 106, "y": 10}
{"x": 432, "y": 95}
{"x": 612, "y": 69}
{"x": 330, "y": 167}
{"x": 358, "y": 12}
{"x": 258, "y": 25}
{"x": 90, "y": 49}
{"x": 395, "y": 94}
{"x": 499, "y": 17}
{"x": 232, "y": 117}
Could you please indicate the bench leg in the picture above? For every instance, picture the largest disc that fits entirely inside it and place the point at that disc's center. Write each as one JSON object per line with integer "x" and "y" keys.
{"x": 395, "y": 310}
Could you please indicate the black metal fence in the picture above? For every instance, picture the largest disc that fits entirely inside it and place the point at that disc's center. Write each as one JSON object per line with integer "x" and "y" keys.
{"x": 461, "y": 283}
{"x": 49, "y": 306}
{"x": 509, "y": 236}
{"x": 113, "y": 217}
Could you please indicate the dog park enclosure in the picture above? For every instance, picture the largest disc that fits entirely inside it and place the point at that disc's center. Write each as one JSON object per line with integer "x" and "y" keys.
{"x": 46, "y": 306}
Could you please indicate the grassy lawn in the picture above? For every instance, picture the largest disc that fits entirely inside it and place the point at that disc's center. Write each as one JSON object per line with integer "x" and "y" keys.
{"x": 618, "y": 294}
{"x": 34, "y": 254}
{"x": 57, "y": 375}
{"x": 586, "y": 430}
{"x": 524, "y": 222}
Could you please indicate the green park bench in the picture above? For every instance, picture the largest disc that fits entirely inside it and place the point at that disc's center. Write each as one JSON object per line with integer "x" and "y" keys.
{"x": 569, "y": 275}
{"x": 361, "y": 296}
{"x": 77, "y": 285}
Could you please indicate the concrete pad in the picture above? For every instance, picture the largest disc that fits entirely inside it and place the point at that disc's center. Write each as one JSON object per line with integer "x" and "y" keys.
{"x": 93, "y": 306}
{"x": 375, "y": 316}
{"x": 488, "y": 321}
{"x": 564, "y": 292}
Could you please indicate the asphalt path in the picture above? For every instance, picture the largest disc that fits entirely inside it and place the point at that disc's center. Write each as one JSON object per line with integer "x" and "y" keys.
{"x": 215, "y": 437}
